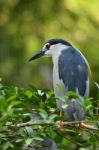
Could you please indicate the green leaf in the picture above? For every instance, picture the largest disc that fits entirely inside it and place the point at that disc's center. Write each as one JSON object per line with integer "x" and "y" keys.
{"x": 60, "y": 88}
{"x": 52, "y": 117}
{"x": 43, "y": 114}
{"x": 29, "y": 93}
{"x": 7, "y": 145}
{"x": 29, "y": 130}
{"x": 28, "y": 141}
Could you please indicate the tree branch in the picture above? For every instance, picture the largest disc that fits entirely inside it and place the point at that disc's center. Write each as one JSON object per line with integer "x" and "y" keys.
{"x": 59, "y": 124}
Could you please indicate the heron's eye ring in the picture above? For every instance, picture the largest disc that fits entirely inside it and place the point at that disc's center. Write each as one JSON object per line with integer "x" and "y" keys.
{"x": 48, "y": 46}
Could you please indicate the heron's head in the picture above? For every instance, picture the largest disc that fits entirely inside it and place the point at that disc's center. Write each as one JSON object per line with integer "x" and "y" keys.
{"x": 52, "y": 48}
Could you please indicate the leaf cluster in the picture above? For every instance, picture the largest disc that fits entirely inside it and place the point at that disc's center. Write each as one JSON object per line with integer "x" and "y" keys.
{"x": 19, "y": 107}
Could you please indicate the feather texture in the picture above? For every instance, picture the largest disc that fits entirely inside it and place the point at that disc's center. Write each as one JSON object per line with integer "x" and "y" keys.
{"x": 73, "y": 71}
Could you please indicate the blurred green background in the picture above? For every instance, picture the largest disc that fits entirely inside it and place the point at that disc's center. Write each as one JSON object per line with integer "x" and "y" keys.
{"x": 25, "y": 25}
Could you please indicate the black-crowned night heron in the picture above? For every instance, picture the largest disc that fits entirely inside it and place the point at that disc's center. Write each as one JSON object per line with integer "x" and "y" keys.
{"x": 70, "y": 71}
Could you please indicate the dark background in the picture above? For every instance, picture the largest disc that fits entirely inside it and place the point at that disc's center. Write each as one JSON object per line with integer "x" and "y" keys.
{"x": 25, "y": 25}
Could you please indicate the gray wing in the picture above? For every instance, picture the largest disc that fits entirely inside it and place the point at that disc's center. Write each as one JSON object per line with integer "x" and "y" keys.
{"x": 73, "y": 71}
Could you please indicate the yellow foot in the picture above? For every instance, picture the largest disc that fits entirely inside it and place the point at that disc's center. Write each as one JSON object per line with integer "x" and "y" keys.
{"x": 87, "y": 126}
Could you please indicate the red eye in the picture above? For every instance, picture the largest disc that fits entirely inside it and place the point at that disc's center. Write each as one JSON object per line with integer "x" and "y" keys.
{"x": 48, "y": 46}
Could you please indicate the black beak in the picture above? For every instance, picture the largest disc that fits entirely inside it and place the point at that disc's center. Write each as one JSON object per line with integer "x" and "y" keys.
{"x": 38, "y": 55}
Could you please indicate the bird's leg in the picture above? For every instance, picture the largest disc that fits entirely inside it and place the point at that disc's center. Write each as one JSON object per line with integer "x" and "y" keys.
{"x": 86, "y": 126}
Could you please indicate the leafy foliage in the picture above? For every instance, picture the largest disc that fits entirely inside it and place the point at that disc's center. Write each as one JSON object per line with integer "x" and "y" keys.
{"x": 29, "y": 115}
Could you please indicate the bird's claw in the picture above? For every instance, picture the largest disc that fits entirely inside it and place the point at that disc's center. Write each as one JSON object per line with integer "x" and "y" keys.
{"x": 83, "y": 125}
